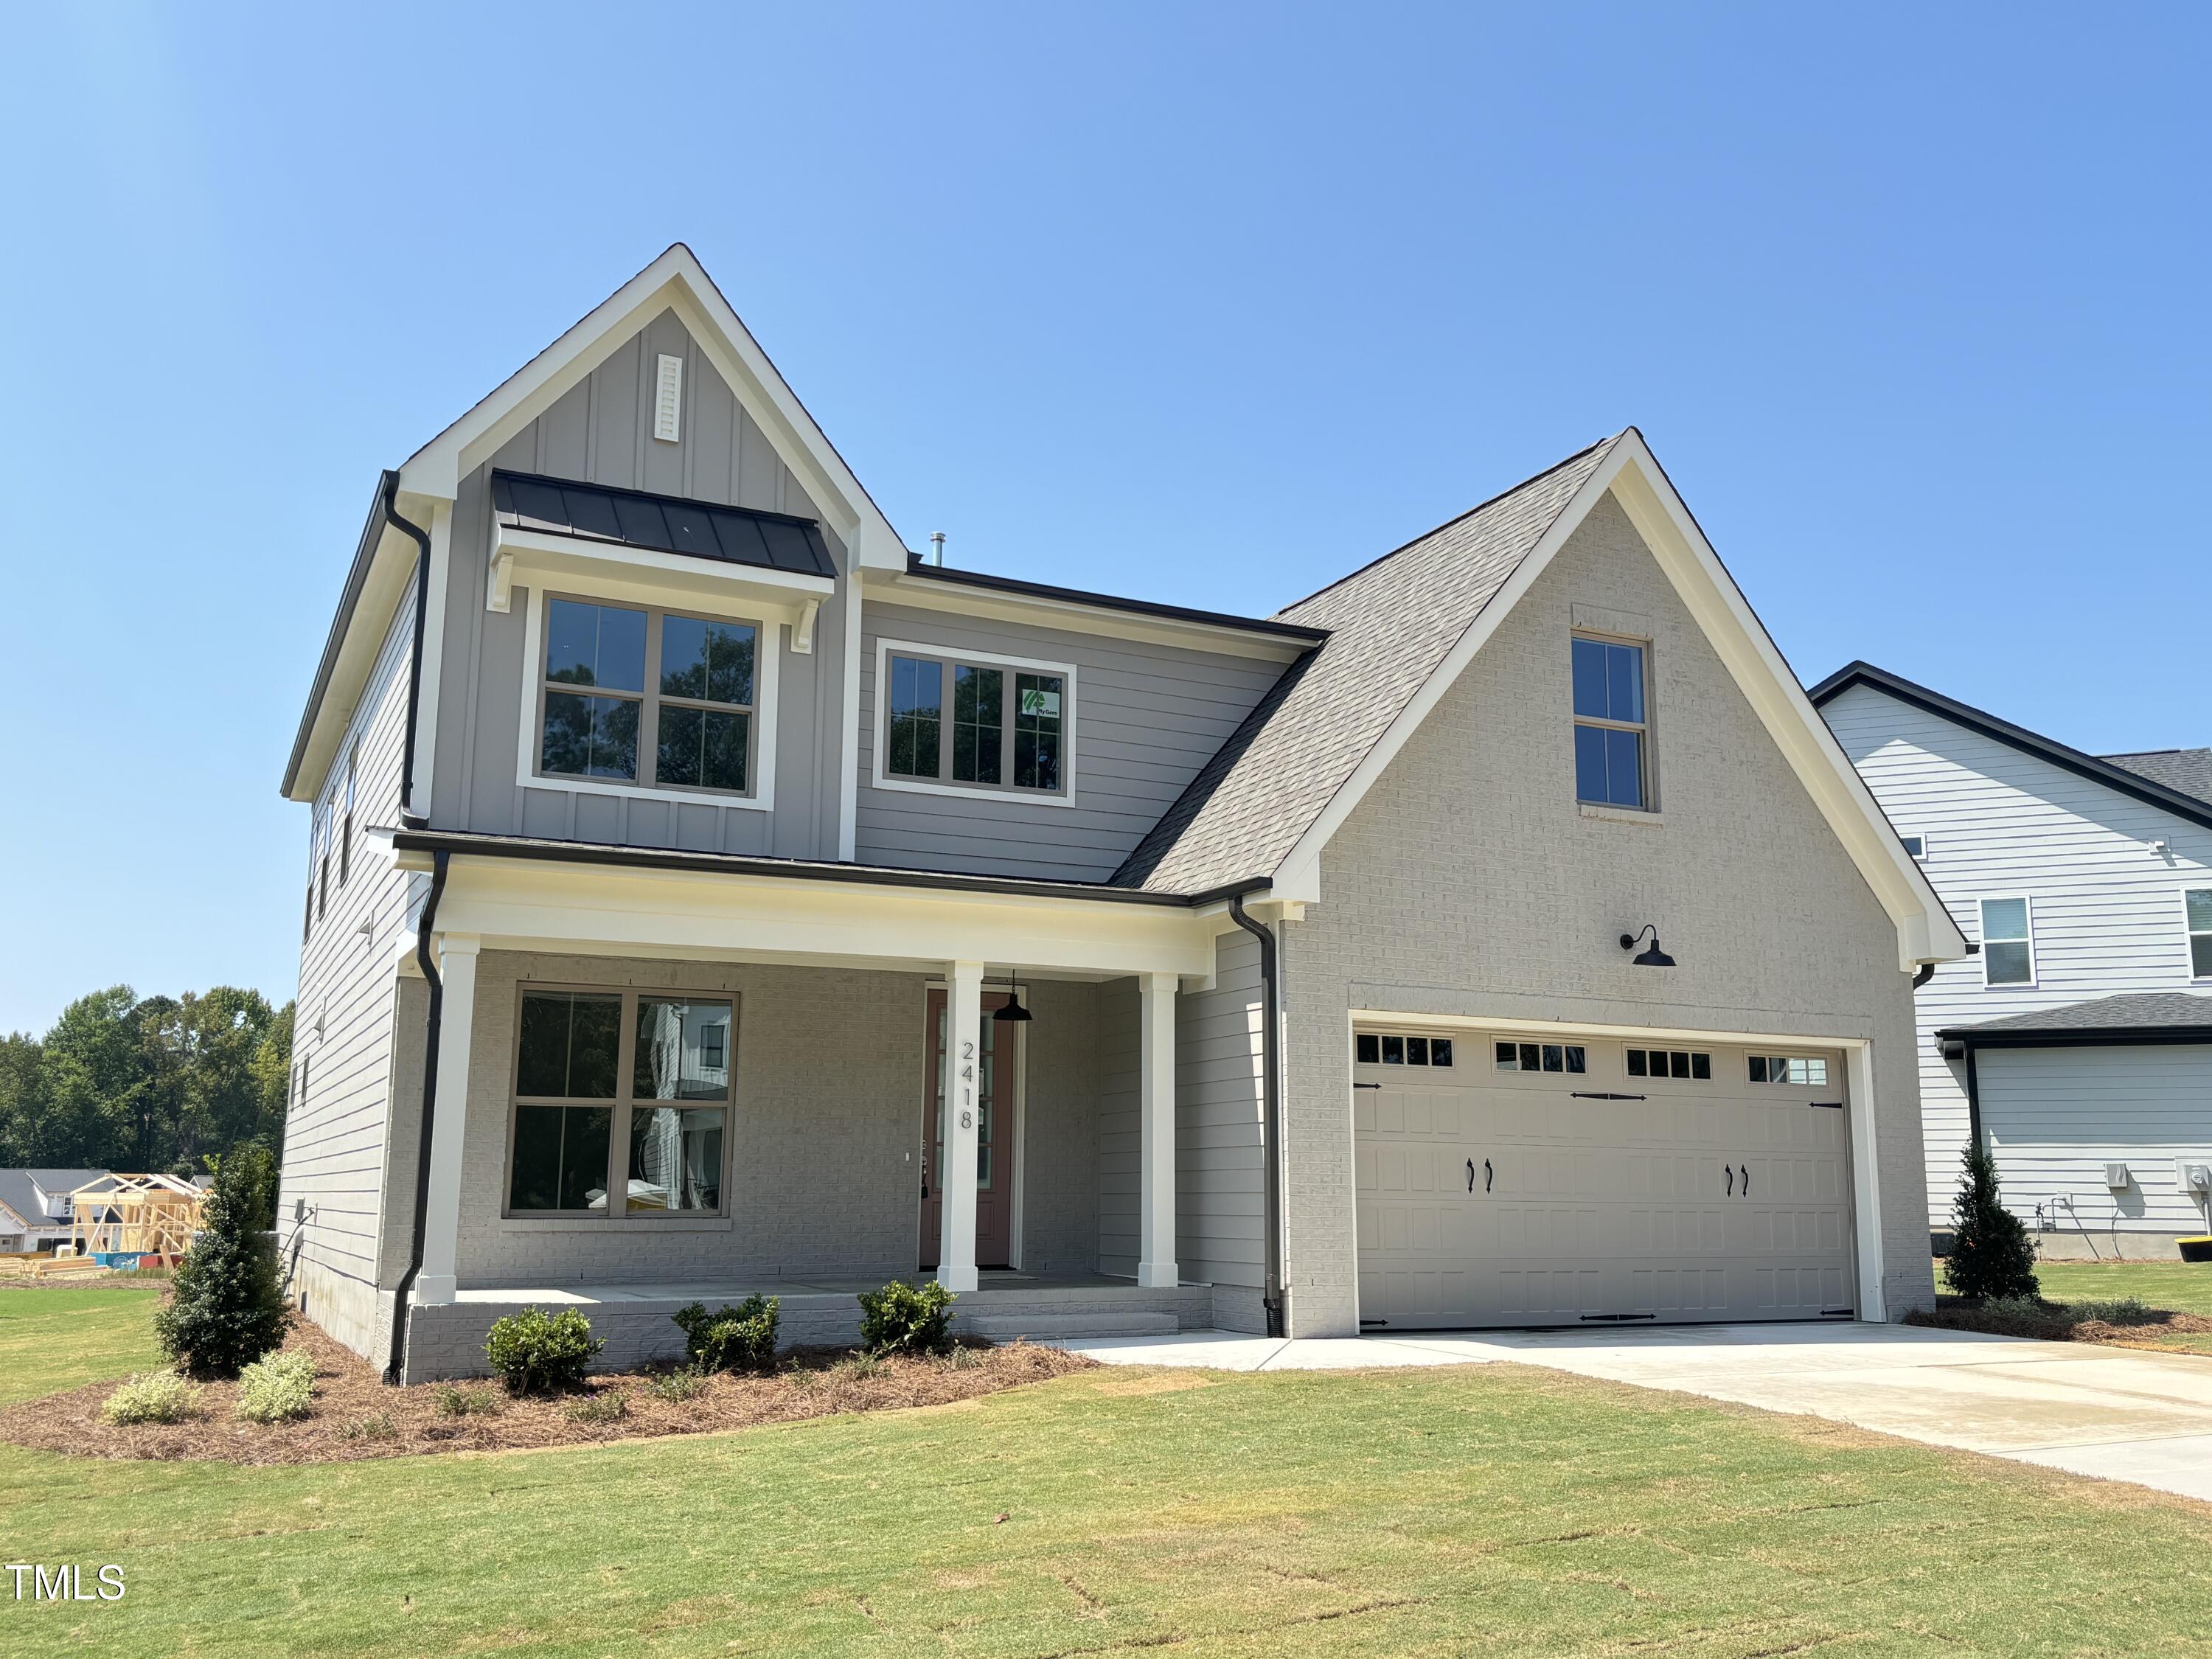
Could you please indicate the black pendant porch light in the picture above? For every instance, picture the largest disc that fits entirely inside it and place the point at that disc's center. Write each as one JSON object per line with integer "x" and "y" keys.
{"x": 1654, "y": 958}
{"x": 1013, "y": 1013}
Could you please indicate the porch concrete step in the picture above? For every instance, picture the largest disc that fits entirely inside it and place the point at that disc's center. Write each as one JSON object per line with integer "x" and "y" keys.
{"x": 1001, "y": 1327}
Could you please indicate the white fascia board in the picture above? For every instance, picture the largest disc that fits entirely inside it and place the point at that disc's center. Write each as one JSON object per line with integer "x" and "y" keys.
{"x": 1073, "y": 617}
{"x": 676, "y": 281}
{"x": 693, "y": 915}
{"x": 390, "y": 574}
{"x": 536, "y": 559}
{"x": 1630, "y": 471}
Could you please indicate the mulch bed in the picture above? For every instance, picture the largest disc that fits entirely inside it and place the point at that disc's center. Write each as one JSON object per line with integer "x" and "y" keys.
{"x": 356, "y": 1417}
{"x": 1959, "y": 1313}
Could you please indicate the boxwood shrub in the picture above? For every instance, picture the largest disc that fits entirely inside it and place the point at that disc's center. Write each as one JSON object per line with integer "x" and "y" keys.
{"x": 739, "y": 1339}
{"x": 535, "y": 1352}
{"x": 904, "y": 1318}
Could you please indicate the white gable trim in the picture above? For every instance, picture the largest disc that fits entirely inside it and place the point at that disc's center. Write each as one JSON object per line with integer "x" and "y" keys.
{"x": 1633, "y": 475}
{"x": 676, "y": 281}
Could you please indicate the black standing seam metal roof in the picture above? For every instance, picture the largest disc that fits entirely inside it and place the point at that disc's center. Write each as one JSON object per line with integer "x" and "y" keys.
{"x": 2126, "y": 780}
{"x": 665, "y": 524}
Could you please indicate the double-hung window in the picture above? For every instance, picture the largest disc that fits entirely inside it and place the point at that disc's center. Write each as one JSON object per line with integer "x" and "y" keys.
{"x": 2197, "y": 903}
{"x": 621, "y": 1103}
{"x": 1612, "y": 732}
{"x": 2008, "y": 946}
{"x": 652, "y": 697}
{"x": 969, "y": 724}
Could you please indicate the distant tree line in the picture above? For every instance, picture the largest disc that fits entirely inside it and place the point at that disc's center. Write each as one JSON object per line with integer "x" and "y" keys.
{"x": 161, "y": 1083}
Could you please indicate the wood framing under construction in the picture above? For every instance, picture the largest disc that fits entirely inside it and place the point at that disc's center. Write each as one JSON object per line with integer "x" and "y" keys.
{"x": 135, "y": 1215}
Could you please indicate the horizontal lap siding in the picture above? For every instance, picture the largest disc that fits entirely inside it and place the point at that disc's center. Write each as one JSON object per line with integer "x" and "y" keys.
{"x": 1218, "y": 1110}
{"x": 2055, "y": 1117}
{"x": 335, "y": 1133}
{"x": 2106, "y": 912}
{"x": 1147, "y": 717}
{"x": 599, "y": 432}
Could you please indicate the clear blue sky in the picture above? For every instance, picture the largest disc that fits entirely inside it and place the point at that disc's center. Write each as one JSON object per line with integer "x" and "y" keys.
{"x": 1207, "y": 304}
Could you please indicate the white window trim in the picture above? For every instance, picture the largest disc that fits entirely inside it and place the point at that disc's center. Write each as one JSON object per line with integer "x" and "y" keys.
{"x": 880, "y": 723}
{"x": 1646, "y": 729}
{"x": 527, "y": 775}
{"x": 1920, "y": 857}
{"x": 1981, "y": 931}
{"x": 2190, "y": 935}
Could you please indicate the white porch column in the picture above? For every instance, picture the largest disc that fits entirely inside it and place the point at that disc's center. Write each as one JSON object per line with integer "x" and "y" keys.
{"x": 1156, "y": 1115}
{"x": 441, "y": 1226}
{"x": 956, "y": 1179}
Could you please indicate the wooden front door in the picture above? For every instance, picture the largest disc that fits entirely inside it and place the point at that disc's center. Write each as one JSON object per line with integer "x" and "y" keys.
{"x": 995, "y": 1151}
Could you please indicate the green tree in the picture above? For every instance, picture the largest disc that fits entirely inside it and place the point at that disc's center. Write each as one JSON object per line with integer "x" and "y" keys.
{"x": 92, "y": 1064}
{"x": 1991, "y": 1253}
{"x": 22, "y": 1098}
{"x": 225, "y": 1308}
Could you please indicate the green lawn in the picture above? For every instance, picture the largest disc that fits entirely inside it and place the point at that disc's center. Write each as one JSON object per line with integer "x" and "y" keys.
{"x": 2181, "y": 1287}
{"x": 1496, "y": 1510}
{"x": 57, "y": 1339}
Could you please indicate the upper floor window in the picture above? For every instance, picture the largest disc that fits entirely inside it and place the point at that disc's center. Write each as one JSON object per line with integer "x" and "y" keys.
{"x": 966, "y": 723}
{"x": 1916, "y": 846}
{"x": 2198, "y": 901}
{"x": 1610, "y": 724}
{"x": 2008, "y": 950}
{"x": 639, "y": 695}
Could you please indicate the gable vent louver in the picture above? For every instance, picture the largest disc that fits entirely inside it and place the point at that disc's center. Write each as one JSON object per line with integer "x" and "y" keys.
{"x": 668, "y": 399}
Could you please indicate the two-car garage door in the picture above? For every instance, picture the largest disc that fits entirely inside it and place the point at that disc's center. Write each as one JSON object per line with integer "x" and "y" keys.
{"x": 1569, "y": 1181}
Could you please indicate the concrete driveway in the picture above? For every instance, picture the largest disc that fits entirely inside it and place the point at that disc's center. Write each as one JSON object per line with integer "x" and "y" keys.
{"x": 2113, "y": 1412}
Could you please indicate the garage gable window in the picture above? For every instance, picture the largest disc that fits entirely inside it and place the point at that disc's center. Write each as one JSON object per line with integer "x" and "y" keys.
{"x": 2008, "y": 945}
{"x": 1610, "y": 724}
{"x": 2198, "y": 901}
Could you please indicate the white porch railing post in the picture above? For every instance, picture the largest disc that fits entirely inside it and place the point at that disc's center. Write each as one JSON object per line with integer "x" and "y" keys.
{"x": 1156, "y": 1137}
{"x": 441, "y": 1226}
{"x": 963, "y": 1051}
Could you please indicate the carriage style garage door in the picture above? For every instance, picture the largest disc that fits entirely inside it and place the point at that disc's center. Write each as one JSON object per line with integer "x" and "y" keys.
{"x": 1564, "y": 1181}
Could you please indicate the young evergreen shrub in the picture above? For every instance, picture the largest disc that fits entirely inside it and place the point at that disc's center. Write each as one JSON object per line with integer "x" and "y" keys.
{"x": 904, "y": 1318}
{"x": 451, "y": 1401}
{"x": 536, "y": 1352}
{"x": 675, "y": 1386}
{"x": 742, "y": 1337}
{"x": 155, "y": 1397}
{"x": 601, "y": 1409}
{"x": 1991, "y": 1253}
{"x": 226, "y": 1306}
{"x": 276, "y": 1389}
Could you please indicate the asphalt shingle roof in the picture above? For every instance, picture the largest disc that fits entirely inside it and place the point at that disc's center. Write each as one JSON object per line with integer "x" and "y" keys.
{"x": 1390, "y": 625}
{"x": 18, "y": 1193}
{"x": 2188, "y": 770}
{"x": 2132, "y": 1012}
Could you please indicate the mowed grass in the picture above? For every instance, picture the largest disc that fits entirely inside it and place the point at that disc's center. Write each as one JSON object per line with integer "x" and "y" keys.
{"x": 1494, "y": 1511}
{"x": 2180, "y": 1286}
{"x": 57, "y": 1340}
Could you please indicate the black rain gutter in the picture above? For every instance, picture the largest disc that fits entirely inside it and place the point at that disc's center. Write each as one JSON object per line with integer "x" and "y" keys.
{"x": 439, "y": 842}
{"x": 1294, "y": 632}
{"x": 396, "y": 1365}
{"x": 1271, "y": 1114}
{"x": 390, "y": 498}
{"x": 2079, "y": 1036}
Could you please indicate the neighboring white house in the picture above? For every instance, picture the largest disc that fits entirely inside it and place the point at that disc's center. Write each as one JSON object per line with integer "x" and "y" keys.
{"x": 2080, "y": 1036}
{"x": 34, "y": 1207}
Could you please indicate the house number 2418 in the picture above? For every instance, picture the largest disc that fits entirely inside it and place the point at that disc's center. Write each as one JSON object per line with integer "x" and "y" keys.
{"x": 966, "y": 1084}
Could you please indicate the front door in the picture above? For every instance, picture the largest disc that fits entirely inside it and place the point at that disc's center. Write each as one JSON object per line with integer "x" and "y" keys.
{"x": 995, "y": 1153}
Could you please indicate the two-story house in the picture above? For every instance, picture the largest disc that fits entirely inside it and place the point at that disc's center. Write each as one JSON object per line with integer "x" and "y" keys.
{"x": 2077, "y": 1044}
{"x": 37, "y": 1212}
{"x": 706, "y": 893}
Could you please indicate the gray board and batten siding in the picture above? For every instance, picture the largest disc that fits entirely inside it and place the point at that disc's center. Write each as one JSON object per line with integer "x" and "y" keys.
{"x": 1145, "y": 718}
{"x": 600, "y": 433}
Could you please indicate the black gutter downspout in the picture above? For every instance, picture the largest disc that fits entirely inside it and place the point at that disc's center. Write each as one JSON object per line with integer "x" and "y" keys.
{"x": 396, "y": 1365}
{"x": 1973, "y": 1103}
{"x": 1271, "y": 1114}
{"x": 1927, "y": 972}
{"x": 408, "y": 815}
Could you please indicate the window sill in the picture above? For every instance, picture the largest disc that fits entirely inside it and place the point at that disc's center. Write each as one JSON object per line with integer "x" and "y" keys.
{"x": 1019, "y": 797}
{"x": 709, "y": 1223}
{"x": 1619, "y": 814}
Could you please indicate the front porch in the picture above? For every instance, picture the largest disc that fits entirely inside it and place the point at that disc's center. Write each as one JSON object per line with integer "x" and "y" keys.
{"x": 812, "y": 1125}
{"x": 636, "y": 1320}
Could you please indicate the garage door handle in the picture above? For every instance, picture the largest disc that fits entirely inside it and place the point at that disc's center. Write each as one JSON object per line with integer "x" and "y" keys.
{"x": 1747, "y": 1180}
{"x": 1487, "y": 1175}
{"x": 1730, "y": 1173}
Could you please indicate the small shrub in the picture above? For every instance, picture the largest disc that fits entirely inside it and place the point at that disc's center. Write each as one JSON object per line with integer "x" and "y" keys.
{"x": 904, "y": 1318}
{"x": 742, "y": 1337}
{"x": 378, "y": 1427}
{"x": 601, "y": 1409}
{"x": 675, "y": 1386}
{"x": 1991, "y": 1255}
{"x": 964, "y": 1358}
{"x": 155, "y": 1397}
{"x": 276, "y": 1389}
{"x": 537, "y": 1351}
{"x": 227, "y": 1307}
{"x": 449, "y": 1401}
{"x": 860, "y": 1367}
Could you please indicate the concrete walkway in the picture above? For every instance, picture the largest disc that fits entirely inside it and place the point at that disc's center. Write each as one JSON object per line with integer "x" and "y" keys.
{"x": 2118, "y": 1414}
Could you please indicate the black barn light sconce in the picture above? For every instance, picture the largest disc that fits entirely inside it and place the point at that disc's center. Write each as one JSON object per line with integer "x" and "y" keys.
{"x": 1654, "y": 958}
{"x": 1013, "y": 1013}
